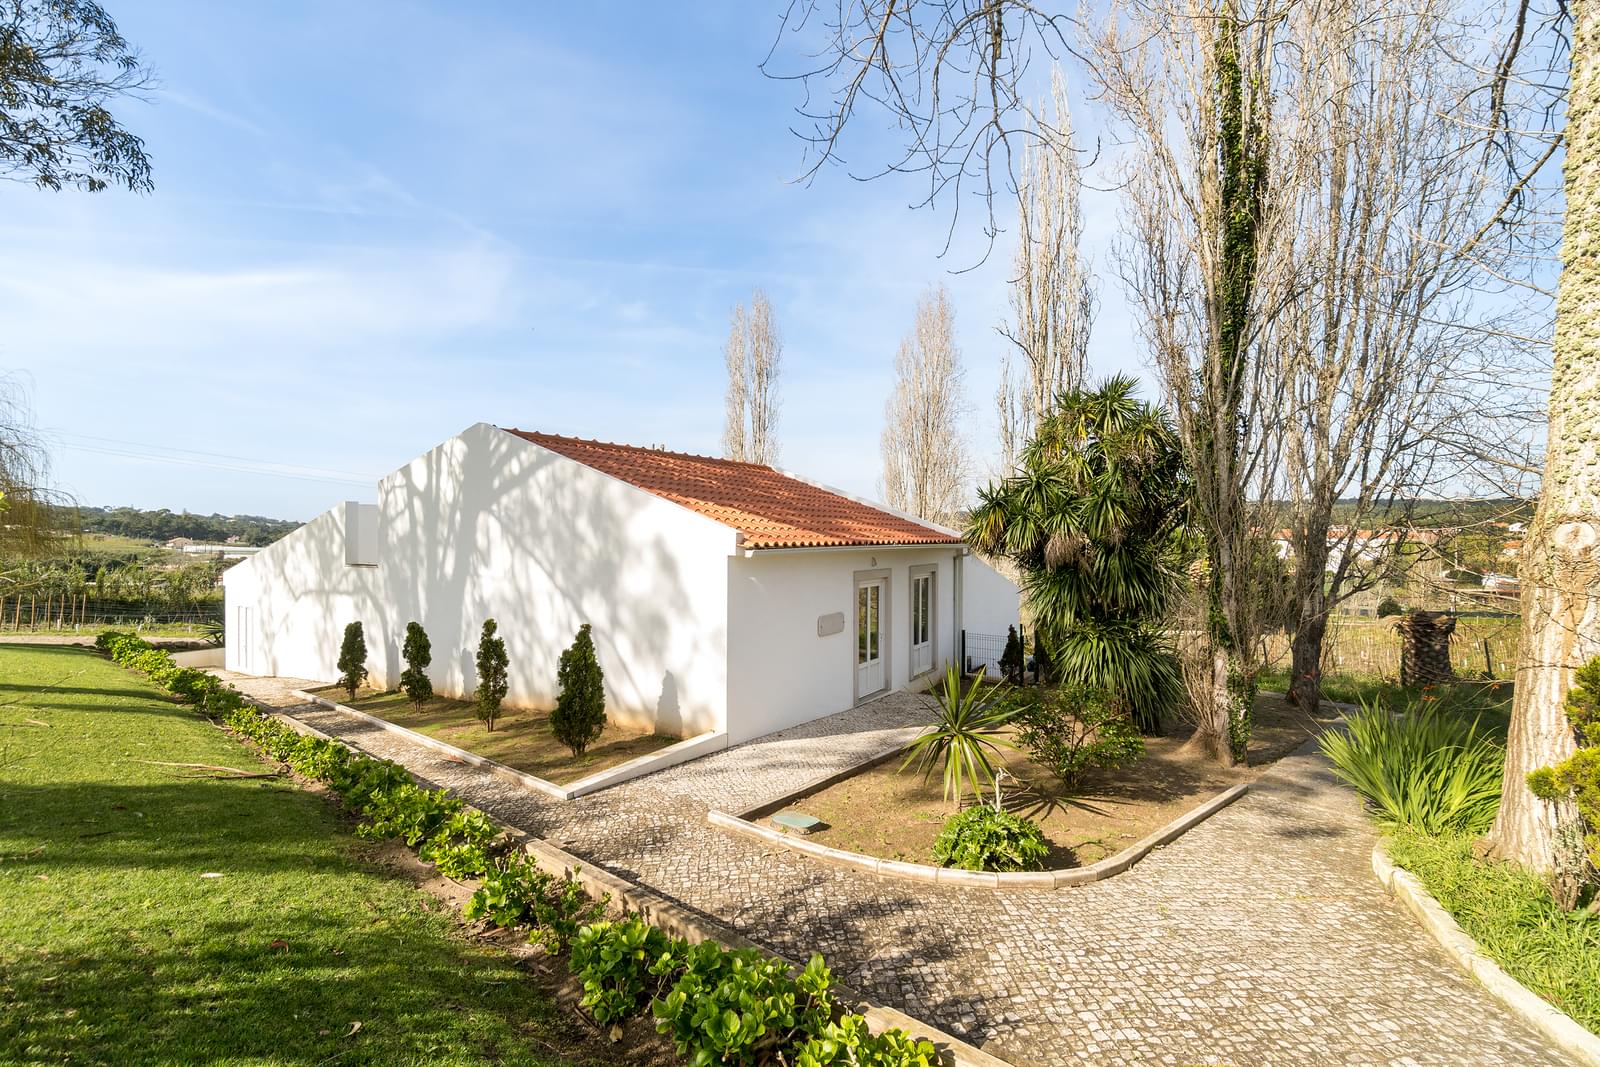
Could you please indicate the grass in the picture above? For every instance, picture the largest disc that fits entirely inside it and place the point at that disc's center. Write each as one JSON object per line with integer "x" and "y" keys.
{"x": 521, "y": 737}
{"x": 151, "y": 917}
{"x": 1511, "y": 914}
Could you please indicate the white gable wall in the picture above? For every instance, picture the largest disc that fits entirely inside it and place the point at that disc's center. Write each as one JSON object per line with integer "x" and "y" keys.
{"x": 780, "y": 672}
{"x": 488, "y": 525}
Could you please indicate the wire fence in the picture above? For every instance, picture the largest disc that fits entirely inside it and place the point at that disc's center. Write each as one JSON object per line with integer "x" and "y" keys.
{"x": 74, "y": 614}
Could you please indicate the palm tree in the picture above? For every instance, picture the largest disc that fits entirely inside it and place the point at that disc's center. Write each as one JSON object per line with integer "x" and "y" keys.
{"x": 1091, "y": 518}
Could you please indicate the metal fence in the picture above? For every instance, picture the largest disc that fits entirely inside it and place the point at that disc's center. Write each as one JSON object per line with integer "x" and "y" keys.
{"x": 72, "y": 614}
{"x": 982, "y": 652}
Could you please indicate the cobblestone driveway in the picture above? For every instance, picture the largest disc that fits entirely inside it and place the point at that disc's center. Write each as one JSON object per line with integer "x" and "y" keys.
{"x": 1260, "y": 937}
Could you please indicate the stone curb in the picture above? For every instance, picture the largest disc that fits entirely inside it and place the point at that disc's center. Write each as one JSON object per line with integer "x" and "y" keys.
{"x": 1563, "y": 1031}
{"x": 681, "y": 752}
{"x": 922, "y": 872}
{"x": 678, "y": 921}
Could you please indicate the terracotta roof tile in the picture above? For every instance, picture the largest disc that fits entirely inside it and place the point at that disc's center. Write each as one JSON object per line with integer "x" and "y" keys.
{"x": 768, "y": 508}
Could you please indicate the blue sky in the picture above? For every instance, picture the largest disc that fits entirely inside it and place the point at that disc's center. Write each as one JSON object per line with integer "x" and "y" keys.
{"x": 376, "y": 224}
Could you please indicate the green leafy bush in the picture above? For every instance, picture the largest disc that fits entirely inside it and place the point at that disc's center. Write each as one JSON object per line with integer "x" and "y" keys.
{"x": 408, "y": 812}
{"x": 1072, "y": 728}
{"x": 517, "y": 891}
{"x": 622, "y": 965}
{"x": 1012, "y": 656}
{"x": 418, "y": 653}
{"x": 353, "y": 659}
{"x": 492, "y": 681}
{"x": 1427, "y": 767}
{"x": 848, "y": 1043}
{"x": 982, "y": 838}
{"x": 579, "y": 717}
{"x": 966, "y": 728}
{"x": 742, "y": 1007}
{"x": 462, "y": 846}
{"x": 1389, "y": 606}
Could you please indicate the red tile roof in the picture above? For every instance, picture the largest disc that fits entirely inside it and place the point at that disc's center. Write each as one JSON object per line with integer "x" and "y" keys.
{"x": 769, "y": 509}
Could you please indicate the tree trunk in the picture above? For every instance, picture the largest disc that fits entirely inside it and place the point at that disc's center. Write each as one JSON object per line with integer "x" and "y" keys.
{"x": 1561, "y": 570}
{"x": 1213, "y": 734}
{"x": 1305, "y": 655}
{"x": 1311, "y": 617}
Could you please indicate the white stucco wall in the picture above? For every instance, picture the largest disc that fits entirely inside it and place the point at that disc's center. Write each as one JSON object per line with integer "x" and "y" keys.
{"x": 488, "y": 525}
{"x": 301, "y": 594}
{"x": 780, "y": 672}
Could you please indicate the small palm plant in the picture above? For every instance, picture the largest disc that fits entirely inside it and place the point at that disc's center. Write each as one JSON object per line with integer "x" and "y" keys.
{"x": 967, "y": 729}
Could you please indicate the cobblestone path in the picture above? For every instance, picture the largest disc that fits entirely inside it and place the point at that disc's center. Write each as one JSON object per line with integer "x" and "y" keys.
{"x": 1260, "y": 937}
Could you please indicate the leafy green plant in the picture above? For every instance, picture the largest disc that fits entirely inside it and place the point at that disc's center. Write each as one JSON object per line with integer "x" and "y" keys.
{"x": 1093, "y": 519}
{"x": 462, "y": 846}
{"x": 849, "y": 1043}
{"x": 984, "y": 838}
{"x": 353, "y": 659}
{"x": 966, "y": 730}
{"x": 492, "y": 681}
{"x": 1427, "y": 767}
{"x": 579, "y": 717}
{"x": 408, "y": 812}
{"x": 1071, "y": 728}
{"x": 742, "y": 1007}
{"x": 418, "y": 653}
{"x": 622, "y": 966}
{"x": 516, "y": 891}
{"x": 1011, "y": 657}
{"x": 1389, "y": 606}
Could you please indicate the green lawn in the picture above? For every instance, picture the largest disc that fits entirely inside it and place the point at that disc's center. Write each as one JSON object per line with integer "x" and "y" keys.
{"x": 147, "y": 917}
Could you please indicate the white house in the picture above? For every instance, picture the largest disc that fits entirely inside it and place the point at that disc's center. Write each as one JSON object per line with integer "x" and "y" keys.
{"x": 722, "y": 596}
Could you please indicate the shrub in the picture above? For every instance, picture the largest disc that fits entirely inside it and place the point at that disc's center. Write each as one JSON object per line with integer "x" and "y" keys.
{"x": 622, "y": 965}
{"x": 1072, "y": 728}
{"x": 1428, "y": 767}
{"x": 580, "y": 714}
{"x": 353, "y": 659}
{"x": 1389, "y": 606}
{"x": 418, "y": 653}
{"x": 409, "y": 812}
{"x": 742, "y": 1007}
{"x": 984, "y": 838}
{"x": 965, "y": 730}
{"x": 849, "y": 1043}
{"x": 1011, "y": 657}
{"x": 462, "y": 846}
{"x": 492, "y": 682}
{"x": 516, "y": 890}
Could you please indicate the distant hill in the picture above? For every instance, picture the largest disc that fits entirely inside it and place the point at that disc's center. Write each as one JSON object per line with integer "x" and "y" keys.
{"x": 163, "y": 525}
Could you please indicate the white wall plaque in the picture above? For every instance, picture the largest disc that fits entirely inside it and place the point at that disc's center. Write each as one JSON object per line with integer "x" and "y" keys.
{"x": 830, "y": 624}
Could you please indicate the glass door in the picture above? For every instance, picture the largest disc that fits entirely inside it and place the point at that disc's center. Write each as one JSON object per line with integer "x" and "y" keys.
{"x": 921, "y": 623}
{"x": 871, "y": 677}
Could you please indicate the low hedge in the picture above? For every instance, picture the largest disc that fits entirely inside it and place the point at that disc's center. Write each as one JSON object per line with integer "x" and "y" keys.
{"x": 720, "y": 1006}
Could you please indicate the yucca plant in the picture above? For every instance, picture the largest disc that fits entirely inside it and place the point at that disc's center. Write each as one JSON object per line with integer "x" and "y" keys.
{"x": 1428, "y": 767}
{"x": 1091, "y": 518}
{"x": 966, "y": 730}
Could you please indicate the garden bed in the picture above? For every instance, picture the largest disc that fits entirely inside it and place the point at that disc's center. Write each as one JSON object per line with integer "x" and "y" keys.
{"x": 888, "y": 814}
{"x": 521, "y": 737}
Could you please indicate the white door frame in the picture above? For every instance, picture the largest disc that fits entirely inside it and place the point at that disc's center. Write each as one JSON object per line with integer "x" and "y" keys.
{"x": 930, "y": 571}
{"x": 879, "y": 577}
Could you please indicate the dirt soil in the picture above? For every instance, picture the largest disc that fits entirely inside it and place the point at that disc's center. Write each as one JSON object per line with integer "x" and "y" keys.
{"x": 890, "y": 814}
{"x": 521, "y": 737}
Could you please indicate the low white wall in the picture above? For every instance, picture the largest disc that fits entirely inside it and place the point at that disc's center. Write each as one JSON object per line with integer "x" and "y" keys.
{"x": 780, "y": 672}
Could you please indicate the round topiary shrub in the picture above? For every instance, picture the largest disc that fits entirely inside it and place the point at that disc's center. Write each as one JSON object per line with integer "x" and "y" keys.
{"x": 984, "y": 839}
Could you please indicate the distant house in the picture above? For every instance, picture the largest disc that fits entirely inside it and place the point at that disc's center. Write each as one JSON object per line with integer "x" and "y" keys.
{"x": 723, "y": 596}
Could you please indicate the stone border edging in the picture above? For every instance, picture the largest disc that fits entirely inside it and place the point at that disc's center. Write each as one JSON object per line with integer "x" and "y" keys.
{"x": 679, "y": 921}
{"x": 922, "y": 872}
{"x": 1565, "y": 1032}
{"x": 679, "y": 752}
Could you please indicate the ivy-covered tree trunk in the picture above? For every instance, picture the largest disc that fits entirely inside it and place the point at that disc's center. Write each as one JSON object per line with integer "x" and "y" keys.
{"x": 1560, "y": 570}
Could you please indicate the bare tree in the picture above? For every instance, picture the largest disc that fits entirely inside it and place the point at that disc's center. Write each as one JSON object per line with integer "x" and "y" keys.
{"x": 1207, "y": 263}
{"x": 62, "y": 64}
{"x": 754, "y": 355}
{"x": 924, "y": 457}
{"x": 1380, "y": 339}
{"x": 1052, "y": 293}
{"x": 33, "y": 516}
